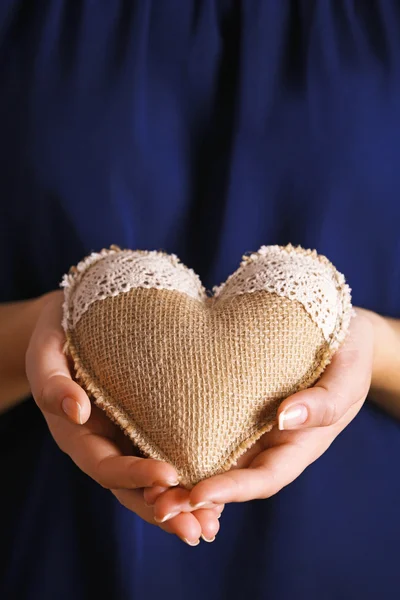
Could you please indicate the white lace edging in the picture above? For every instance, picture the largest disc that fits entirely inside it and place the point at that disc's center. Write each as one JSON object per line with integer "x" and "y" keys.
{"x": 114, "y": 271}
{"x": 296, "y": 274}
{"x": 293, "y": 273}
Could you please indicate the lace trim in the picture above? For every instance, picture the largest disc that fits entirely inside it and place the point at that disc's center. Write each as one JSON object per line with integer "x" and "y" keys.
{"x": 290, "y": 272}
{"x": 297, "y": 274}
{"x": 112, "y": 272}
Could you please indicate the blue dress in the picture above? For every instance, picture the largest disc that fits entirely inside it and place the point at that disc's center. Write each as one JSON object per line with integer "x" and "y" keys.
{"x": 205, "y": 128}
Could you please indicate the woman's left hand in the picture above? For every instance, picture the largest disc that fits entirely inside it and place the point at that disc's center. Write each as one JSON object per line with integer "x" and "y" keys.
{"x": 309, "y": 421}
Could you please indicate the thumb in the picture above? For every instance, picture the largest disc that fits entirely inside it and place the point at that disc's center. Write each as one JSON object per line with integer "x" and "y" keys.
{"x": 63, "y": 397}
{"x": 47, "y": 368}
{"x": 345, "y": 383}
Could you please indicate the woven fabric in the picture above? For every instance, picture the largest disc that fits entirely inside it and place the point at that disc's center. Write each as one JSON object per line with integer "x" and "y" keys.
{"x": 196, "y": 382}
{"x": 287, "y": 271}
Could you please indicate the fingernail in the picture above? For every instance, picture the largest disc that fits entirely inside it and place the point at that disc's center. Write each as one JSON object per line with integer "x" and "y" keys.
{"x": 148, "y": 505}
{"x": 293, "y": 416}
{"x": 173, "y": 482}
{"x": 167, "y": 517}
{"x": 209, "y": 541}
{"x": 200, "y": 505}
{"x": 72, "y": 409}
{"x": 190, "y": 543}
{"x": 170, "y": 483}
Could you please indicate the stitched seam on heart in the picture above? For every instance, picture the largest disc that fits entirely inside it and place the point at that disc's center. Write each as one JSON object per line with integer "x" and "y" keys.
{"x": 134, "y": 432}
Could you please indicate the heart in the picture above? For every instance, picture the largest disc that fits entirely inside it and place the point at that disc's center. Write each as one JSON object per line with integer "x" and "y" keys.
{"x": 192, "y": 378}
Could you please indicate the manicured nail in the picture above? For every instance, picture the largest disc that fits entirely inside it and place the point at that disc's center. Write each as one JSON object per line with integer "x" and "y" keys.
{"x": 172, "y": 483}
{"x": 72, "y": 409}
{"x": 190, "y": 543}
{"x": 209, "y": 541}
{"x": 293, "y": 416}
{"x": 166, "y": 483}
{"x": 200, "y": 505}
{"x": 167, "y": 517}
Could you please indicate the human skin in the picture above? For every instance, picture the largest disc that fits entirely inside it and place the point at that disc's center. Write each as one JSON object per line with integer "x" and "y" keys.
{"x": 309, "y": 421}
{"x": 31, "y": 347}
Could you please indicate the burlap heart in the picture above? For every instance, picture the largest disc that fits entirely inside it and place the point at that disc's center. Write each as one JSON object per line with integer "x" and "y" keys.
{"x": 192, "y": 379}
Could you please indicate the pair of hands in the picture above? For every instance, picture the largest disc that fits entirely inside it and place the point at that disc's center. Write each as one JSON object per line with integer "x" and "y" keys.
{"x": 309, "y": 421}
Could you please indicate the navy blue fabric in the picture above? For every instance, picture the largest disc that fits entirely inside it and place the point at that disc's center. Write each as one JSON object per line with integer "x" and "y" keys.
{"x": 205, "y": 128}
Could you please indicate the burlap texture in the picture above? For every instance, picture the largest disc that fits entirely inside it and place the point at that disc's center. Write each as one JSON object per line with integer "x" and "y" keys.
{"x": 195, "y": 383}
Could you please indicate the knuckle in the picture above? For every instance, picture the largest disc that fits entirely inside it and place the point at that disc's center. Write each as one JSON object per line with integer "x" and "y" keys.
{"x": 44, "y": 398}
{"x": 101, "y": 474}
{"x": 271, "y": 484}
{"x": 330, "y": 415}
{"x": 349, "y": 355}
{"x": 39, "y": 398}
{"x": 236, "y": 485}
{"x": 54, "y": 341}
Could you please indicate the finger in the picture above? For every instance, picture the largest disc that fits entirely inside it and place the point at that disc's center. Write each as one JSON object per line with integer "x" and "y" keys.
{"x": 209, "y": 524}
{"x": 270, "y": 472}
{"x": 133, "y": 501}
{"x": 48, "y": 372}
{"x": 345, "y": 382}
{"x": 63, "y": 397}
{"x": 170, "y": 504}
{"x": 185, "y": 526}
{"x": 100, "y": 458}
{"x": 151, "y": 494}
{"x": 177, "y": 500}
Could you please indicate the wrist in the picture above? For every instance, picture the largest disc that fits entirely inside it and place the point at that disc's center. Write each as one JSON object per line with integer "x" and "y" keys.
{"x": 17, "y": 323}
{"x": 385, "y": 380}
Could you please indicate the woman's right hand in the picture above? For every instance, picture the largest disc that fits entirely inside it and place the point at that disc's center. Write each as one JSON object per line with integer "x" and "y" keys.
{"x": 88, "y": 436}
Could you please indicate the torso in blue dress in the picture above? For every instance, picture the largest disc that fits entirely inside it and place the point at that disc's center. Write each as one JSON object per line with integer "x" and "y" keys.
{"x": 204, "y": 128}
